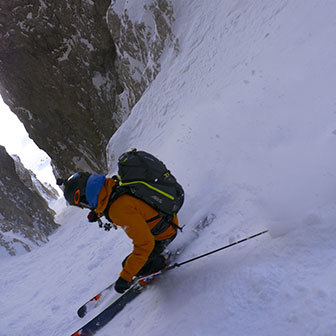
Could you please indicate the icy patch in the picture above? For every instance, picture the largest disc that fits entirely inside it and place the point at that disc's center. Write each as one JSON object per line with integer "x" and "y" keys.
{"x": 98, "y": 80}
{"x": 87, "y": 43}
{"x": 25, "y": 111}
{"x": 81, "y": 105}
{"x": 101, "y": 83}
{"x": 68, "y": 44}
{"x": 90, "y": 2}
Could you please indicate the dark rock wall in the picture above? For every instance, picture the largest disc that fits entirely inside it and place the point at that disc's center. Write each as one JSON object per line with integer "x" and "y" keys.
{"x": 72, "y": 70}
{"x": 57, "y": 75}
{"x": 30, "y": 180}
{"x": 142, "y": 32}
{"x": 25, "y": 218}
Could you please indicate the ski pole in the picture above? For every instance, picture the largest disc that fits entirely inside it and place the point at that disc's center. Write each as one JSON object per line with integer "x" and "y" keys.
{"x": 214, "y": 251}
{"x": 153, "y": 275}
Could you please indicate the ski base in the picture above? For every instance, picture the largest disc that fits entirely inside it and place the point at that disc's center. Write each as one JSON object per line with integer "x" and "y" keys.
{"x": 107, "y": 314}
{"x": 96, "y": 300}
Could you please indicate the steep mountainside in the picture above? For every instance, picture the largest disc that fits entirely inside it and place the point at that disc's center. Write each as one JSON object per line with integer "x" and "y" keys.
{"x": 244, "y": 117}
{"x": 57, "y": 75}
{"x": 25, "y": 218}
{"x": 72, "y": 72}
{"x": 140, "y": 42}
{"x": 30, "y": 180}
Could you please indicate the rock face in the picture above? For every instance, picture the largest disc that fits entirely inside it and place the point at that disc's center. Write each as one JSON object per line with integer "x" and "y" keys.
{"x": 72, "y": 71}
{"x": 25, "y": 218}
{"x": 58, "y": 76}
{"x": 29, "y": 179}
{"x": 141, "y": 31}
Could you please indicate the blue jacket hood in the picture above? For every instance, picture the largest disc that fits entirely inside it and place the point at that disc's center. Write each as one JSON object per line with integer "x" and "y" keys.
{"x": 93, "y": 186}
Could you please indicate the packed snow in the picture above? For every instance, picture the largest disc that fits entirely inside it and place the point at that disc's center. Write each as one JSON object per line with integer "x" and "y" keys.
{"x": 245, "y": 118}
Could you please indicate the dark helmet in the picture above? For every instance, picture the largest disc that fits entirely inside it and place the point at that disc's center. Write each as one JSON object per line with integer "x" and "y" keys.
{"x": 74, "y": 189}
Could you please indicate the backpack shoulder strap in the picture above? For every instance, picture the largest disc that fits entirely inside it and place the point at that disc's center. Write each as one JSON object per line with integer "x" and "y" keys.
{"x": 116, "y": 192}
{"x": 161, "y": 226}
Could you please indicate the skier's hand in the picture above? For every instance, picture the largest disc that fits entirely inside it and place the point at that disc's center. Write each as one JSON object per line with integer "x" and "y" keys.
{"x": 121, "y": 285}
{"x": 92, "y": 216}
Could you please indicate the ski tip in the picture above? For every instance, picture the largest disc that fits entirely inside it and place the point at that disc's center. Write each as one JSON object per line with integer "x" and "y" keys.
{"x": 81, "y": 312}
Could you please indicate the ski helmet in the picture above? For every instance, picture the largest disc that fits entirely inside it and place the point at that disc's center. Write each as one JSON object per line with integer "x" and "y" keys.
{"x": 74, "y": 189}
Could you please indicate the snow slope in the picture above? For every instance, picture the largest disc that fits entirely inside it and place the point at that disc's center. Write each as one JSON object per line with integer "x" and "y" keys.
{"x": 245, "y": 118}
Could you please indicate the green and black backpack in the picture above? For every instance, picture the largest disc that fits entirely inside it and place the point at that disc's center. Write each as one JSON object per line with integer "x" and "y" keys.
{"x": 144, "y": 176}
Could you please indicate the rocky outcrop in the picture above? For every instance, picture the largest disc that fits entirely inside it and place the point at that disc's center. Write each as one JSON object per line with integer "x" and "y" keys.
{"x": 72, "y": 71}
{"x": 25, "y": 218}
{"x": 57, "y": 75}
{"x": 30, "y": 180}
{"x": 141, "y": 31}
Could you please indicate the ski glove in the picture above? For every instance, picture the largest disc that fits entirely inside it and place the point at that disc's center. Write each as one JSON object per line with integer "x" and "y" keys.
{"x": 92, "y": 216}
{"x": 122, "y": 285}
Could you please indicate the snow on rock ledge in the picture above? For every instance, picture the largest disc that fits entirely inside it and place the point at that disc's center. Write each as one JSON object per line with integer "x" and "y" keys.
{"x": 141, "y": 31}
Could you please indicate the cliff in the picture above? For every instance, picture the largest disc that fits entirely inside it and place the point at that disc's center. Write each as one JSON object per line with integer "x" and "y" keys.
{"x": 25, "y": 218}
{"x": 73, "y": 72}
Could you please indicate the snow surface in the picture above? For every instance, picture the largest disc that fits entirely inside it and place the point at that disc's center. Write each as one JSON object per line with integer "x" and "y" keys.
{"x": 245, "y": 118}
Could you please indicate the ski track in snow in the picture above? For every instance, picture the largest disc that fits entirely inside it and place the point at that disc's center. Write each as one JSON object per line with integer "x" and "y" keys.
{"x": 245, "y": 118}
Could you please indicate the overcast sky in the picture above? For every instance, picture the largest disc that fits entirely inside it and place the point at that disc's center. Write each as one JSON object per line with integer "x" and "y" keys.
{"x": 15, "y": 138}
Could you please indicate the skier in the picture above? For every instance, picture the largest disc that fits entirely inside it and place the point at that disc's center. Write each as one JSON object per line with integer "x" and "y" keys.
{"x": 149, "y": 232}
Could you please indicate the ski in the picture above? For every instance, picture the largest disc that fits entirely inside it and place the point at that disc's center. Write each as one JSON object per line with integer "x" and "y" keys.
{"x": 96, "y": 300}
{"x": 108, "y": 313}
{"x": 119, "y": 303}
{"x": 109, "y": 295}
{"x": 116, "y": 302}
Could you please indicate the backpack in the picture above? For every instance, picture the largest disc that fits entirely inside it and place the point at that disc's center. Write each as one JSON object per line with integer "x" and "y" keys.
{"x": 144, "y": 176}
